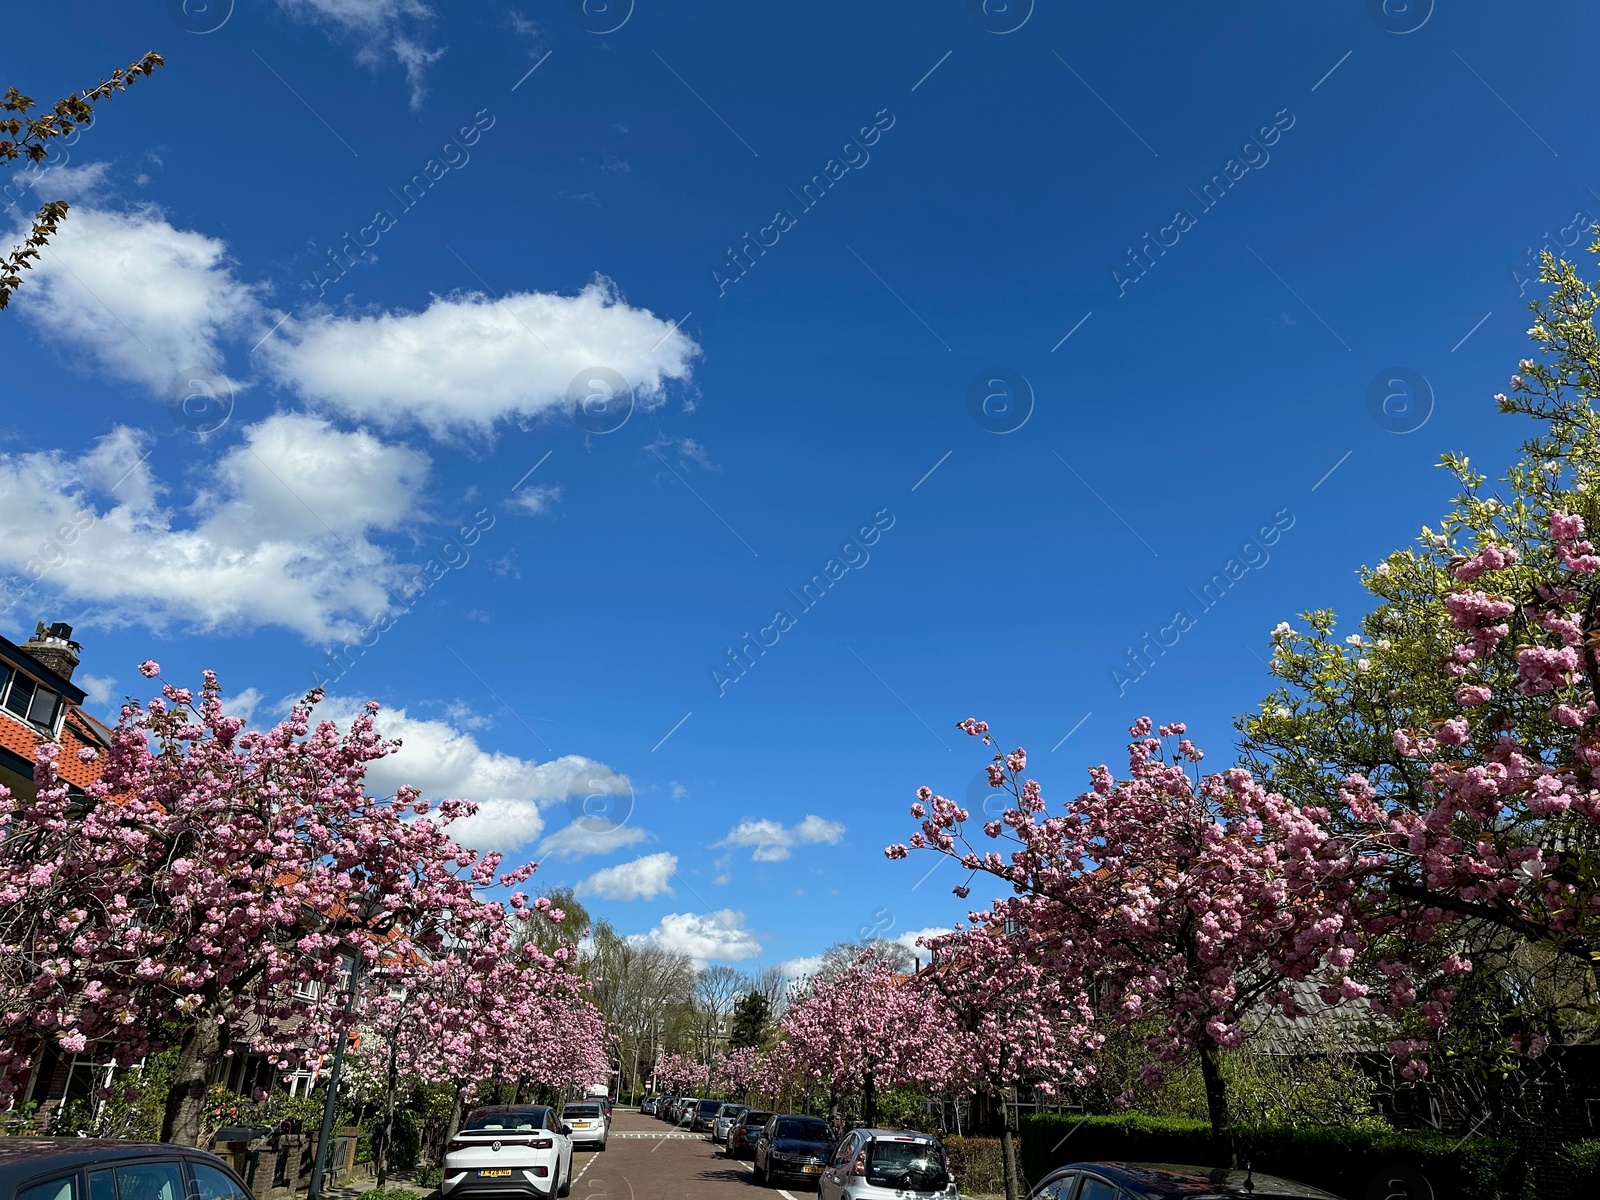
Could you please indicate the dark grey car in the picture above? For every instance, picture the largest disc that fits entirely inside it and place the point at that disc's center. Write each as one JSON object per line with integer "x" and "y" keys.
{"x": 92, "y": 1169}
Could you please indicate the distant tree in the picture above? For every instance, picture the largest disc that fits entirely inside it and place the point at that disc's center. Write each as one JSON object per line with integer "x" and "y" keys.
{"x": 714, "y": 990}
{"x": 566, "y": 931}
{"x": 750, "y": 1017}
{"x": 841, "y": 956}
{"x": 772, "y": 984}
{"x": 27, "y": 137}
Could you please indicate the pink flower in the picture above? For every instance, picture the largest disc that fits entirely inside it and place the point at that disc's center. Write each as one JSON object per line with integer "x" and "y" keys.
{"x": 149, "y": 668}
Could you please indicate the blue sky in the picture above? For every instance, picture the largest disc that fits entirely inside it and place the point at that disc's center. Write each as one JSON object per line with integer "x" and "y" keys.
{"x": 388, "y": 374}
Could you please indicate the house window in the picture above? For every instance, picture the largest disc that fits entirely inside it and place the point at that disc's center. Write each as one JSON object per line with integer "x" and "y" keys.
{"x": 33, "y": 703}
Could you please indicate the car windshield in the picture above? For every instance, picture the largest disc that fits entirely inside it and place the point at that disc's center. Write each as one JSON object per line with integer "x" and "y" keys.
{"x": 583, "y": 1110}
{"x": 731, "y": 1110}
{"x": 757, "y": 1118}
{"x": 803, "y": 1129}
{"x": 709, "y": 1107}
{"x": 520, "y": 1121}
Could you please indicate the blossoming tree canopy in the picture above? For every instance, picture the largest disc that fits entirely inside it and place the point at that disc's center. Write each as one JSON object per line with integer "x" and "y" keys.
{"x": 209, "y": 884}
{"x": 1454, "y": 738}
{"x": 862, "y": 1030}
{"x": 1172, "y": 897}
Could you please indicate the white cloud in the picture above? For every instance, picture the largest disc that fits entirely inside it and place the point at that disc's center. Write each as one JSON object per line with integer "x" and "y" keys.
{"x": 908, "y": 939}
{"x": 795, "y": 968}
{"x": 97, "y": 689}
{"x": 679, "y": 792}
{"x": 710, "y": 937}
{"x": 771, "y": 841}
{"x": 642, "y": 879}
{"x": 376, "y": 25}
{"x": 444, "y": 762}
{"x": 279, "y": 535}
{"x": 147, "y": 302}
{"x": 583, "y": 838}
{"x": 536, "y": 500}
{"x": 468, "y": 361}
{"x": 243, "y": 705}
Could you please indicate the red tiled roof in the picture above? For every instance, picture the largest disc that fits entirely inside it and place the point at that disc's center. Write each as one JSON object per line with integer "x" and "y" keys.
{"x": 78, "y": 730}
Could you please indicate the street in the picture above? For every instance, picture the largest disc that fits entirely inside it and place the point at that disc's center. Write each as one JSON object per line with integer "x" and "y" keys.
{"x": 647, "y": 1160}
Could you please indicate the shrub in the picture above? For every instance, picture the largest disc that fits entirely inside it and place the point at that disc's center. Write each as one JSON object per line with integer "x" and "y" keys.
{"x": 976, "y": 1164}
{"x": 428, "y": 1177}
{"x": 1343, "y": 1161}
{"x": 407, "y": 1140}
{"x": 1583, "y": 1160}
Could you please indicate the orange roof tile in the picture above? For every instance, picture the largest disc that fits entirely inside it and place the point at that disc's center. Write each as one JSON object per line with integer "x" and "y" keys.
{"x": 77, "y": 731}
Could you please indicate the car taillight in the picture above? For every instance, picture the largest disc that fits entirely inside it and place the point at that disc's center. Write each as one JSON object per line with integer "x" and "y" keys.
{"x": 542, "y": 1143}
{"x": 861, "y": 1164}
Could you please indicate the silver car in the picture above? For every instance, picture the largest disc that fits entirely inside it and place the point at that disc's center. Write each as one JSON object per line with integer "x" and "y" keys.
{"x": 887, "y": 1164}
{"x": 727, "y": 1117}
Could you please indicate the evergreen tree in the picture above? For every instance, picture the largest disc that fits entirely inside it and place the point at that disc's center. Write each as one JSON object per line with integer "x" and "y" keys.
{"x": 750, "y": 1019}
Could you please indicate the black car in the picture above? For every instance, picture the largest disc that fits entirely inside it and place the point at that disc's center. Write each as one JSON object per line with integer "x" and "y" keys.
{"x": 1164, "y": 1181}
{"x": 742, "y": 1137}
{"x": 92, "y": 1169}
{"x": 704, "y": 1115}
{"x": 792, "y": 1147}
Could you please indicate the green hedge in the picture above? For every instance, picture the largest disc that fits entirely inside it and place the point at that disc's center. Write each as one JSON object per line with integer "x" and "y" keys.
{"x": 1583, "y": 1160}
{"x": 1342, "y": 1161}
{"x": 977, "y": 1164}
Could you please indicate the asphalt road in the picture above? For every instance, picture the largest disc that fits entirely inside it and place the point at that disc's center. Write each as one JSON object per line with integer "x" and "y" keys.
{"x": 647, "y": 1160}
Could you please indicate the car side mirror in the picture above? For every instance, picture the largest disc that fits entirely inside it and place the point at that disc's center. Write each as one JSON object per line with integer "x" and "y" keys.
{"x": 567, "y": 1130}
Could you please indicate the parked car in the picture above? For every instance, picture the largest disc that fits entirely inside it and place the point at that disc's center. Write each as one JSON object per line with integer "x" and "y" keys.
{"x": 742, "y": 1137}
{"x": 605, "y": 1107}
{"x": 792, "y": 1147}
{"x": 65, "y": 1168}
{"x": 887, "y": 1164}
{"x": 727, "y": 1116}
{"x": 647, "y": 1106}
{"x": 703, "y": 1116}
{"x": 517, "y": 1149}
{"x": 1146, "y": 1181}
{"x": 683, "y": 1112}
{"x": 588, "y": 1124}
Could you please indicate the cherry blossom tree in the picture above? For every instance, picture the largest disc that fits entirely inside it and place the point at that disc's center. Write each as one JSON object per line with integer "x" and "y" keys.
{"x": 1454, "y": 737}
{"x": 678, "y": 1075}
{"x": 493, "y": 1005}
{"x": 859, "y": 1031}
{"x": 1004, "y": 1020}
{"x": 1166, "y": 896}
{"x": 204, "y": 891}
{"x": 743, "y": 1070}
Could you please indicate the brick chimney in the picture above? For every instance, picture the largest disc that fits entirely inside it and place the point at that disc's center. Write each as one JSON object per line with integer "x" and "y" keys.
{"x": 53, "y": 646}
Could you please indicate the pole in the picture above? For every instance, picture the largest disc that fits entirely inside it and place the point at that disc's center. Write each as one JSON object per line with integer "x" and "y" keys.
{"x": 320, "y": 1164}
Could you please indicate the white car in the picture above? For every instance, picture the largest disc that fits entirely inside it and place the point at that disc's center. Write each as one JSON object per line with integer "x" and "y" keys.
{"x": 587, "y": 1120}
{"x": 887, "y": 1164}
{"x": 513, "y": 1149}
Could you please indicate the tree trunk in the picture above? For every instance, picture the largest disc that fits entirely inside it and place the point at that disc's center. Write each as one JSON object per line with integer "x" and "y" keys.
{"x": 380, "y": 1152}
{"x": 1217, "y": 1098}
{"x": 455, "y": 1119}
{"x": 1008, "y": 1155}
{"x": 869, "y": 1102}
{"x": 199, "y": 1054}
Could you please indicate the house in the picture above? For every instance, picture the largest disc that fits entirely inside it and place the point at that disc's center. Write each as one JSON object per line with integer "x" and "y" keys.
{"x": 40, "y": 703}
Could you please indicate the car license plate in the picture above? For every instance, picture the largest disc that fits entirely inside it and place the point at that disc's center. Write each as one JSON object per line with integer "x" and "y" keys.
{"x": 813, "y": 1169}
{"x": 502, "y": 1174}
